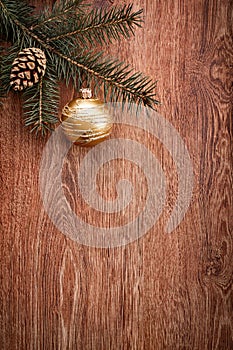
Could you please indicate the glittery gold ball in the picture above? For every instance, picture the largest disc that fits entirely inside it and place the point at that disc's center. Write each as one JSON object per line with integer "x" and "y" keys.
{"x": 86, "y": 121}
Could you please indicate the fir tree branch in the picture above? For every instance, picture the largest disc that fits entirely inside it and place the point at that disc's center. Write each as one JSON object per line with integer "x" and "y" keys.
{"x": 58, "y": 13}
{"x": 18, "y": 10}
{"x": 100, "y": 25}
{"x": 41, "y": 103}
{"x": 7, "y": 57}
{"x": 117, "y": 80}
{"x": 130, "y": 86}
{"x": 116, "y": 75}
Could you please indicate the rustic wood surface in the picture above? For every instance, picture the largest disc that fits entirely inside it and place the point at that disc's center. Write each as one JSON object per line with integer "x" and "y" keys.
{"x": 161, "y": 291}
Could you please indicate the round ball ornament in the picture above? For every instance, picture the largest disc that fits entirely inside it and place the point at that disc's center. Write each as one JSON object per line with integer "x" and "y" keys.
{"x": 85, "y": 120}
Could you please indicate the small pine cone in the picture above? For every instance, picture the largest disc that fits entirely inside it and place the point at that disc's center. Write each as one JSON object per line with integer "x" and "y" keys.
{"x": 27, "y": 68}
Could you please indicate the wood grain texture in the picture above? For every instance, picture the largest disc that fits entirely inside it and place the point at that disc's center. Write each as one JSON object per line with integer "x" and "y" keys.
{"x": 161, "y": 291}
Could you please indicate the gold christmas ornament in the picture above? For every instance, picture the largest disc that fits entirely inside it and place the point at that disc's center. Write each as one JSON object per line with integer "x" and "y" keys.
{"x": 85, "y": 120}
{"x": 27, "y": 68}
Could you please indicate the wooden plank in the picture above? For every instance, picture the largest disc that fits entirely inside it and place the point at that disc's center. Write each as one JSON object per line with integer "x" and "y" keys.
{"x": 161, "y": 291}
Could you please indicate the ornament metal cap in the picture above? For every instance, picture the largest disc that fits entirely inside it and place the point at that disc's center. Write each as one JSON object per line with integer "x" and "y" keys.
{"x": 86, "y": 93}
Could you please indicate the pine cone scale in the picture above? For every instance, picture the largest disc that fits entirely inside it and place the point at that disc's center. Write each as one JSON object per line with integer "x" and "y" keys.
{"x": 31, "y": 58}
{"x": 27, "y": 74}
{"x": 31, "y": 65}
{"x": 22, "y": 65}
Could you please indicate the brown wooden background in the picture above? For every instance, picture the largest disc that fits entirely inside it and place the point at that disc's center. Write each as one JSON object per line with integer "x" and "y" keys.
{"x": 162, "y": 291}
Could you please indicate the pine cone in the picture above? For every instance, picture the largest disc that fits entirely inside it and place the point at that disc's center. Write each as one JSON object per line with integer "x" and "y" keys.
{"x": 27, "y": 68}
